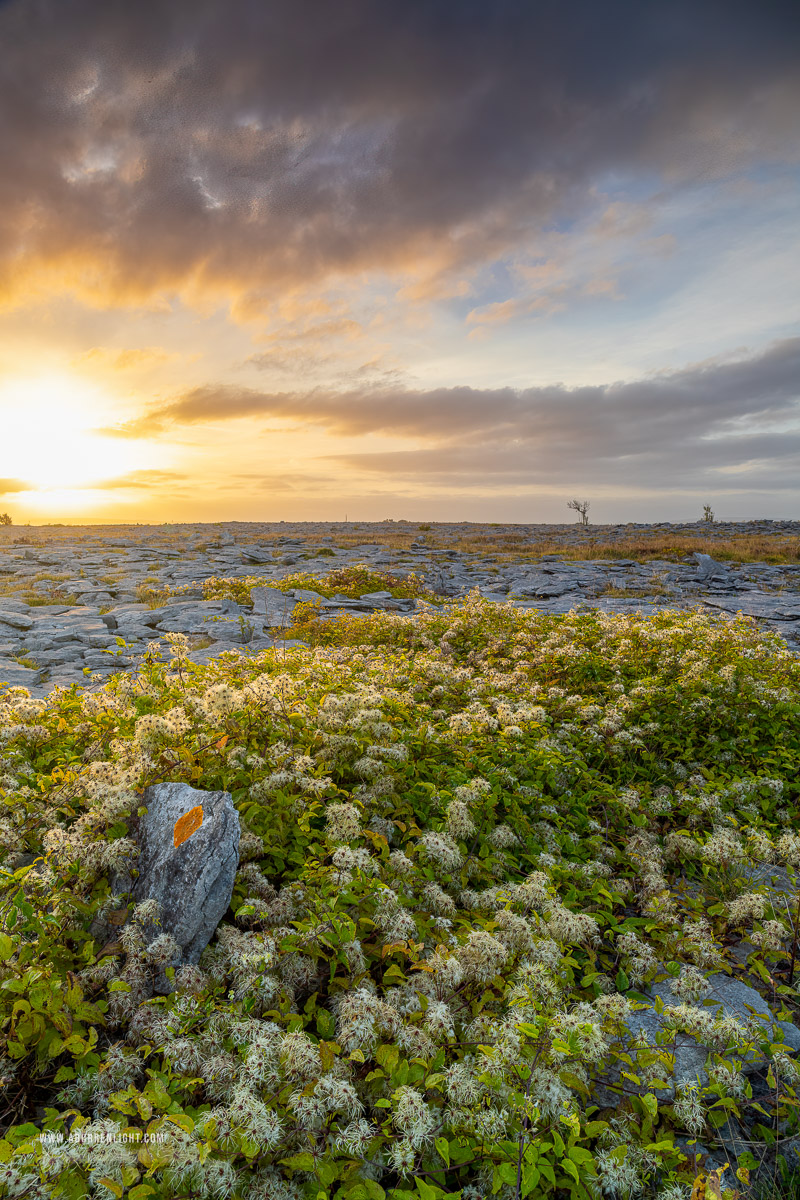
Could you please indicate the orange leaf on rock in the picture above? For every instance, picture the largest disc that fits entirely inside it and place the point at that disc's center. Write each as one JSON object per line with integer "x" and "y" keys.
{"x": 188, "y": 824}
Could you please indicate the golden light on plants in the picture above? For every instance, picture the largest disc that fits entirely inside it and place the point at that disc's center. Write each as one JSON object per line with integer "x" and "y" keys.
{"x": 51, "y": 439}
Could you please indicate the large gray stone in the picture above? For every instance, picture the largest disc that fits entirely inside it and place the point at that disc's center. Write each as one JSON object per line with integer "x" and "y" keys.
{"x": 193, "y": 881}
{"x": 708, "y": 567}
{"x": 274, "y": 606}
{"x": 255, "y": 554}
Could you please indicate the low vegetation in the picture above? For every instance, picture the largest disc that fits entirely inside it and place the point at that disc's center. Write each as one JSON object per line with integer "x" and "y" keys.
{"x": 463, "y": 842}
{"x": 351, "y": 581}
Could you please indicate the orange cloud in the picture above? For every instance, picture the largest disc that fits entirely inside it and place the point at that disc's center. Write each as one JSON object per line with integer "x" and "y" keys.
{"x": 124, "y": 360}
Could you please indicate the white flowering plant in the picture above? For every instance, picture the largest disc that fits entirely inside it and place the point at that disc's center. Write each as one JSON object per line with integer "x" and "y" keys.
{"x": 471, "y": 842}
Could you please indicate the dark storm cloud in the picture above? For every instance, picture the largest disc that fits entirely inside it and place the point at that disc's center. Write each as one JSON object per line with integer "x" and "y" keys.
{"x": 716, "y": 419}
{"x": 242, "y": 147}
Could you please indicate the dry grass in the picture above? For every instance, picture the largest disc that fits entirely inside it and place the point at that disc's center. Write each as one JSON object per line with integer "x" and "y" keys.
{"x": 25, "y": 660}
{"x": 20, "y": 591}
{"x": 499, "y": 543}
{"x": 578, "y": 544}
{"x": 200, "y": 641}
{"x": 629, "y": 593}
{"x": 639, "y": 547}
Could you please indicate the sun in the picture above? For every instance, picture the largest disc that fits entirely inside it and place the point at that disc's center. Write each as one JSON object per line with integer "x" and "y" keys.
{"x": 50, "y": 436}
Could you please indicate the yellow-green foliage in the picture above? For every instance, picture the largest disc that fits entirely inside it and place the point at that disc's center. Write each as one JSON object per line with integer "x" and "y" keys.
{"x": 353, "y": 581}
{"x": 462, "y": 836}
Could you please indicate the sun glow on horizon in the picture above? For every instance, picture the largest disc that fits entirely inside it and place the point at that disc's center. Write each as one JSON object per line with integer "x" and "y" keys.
{"x": 51, "y": 440}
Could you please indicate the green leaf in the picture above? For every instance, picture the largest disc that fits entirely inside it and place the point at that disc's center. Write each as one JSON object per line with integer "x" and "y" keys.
{"x": 116, "y": 1188}
{"x": 425, "y": 1190}
{"x": 299, "y": 1162}
{"x": 546, "y": 1169}
{"x": 75, "y": 1044}
{"x": 326, "y": 1023}
{"x": 141, "y": 1191}
{"x": 528, "y": 1029}
{"x": 573, "y": 1081}
{"x": 530, "y": 1178}
{"x": 18, "y": 1134}
{"x": 622, "y": 981}
{"x": 183, "y": 1120}
{"x": 326, "y": 1173}
{"x": 387, "y": 1057}
{"x": 569, "y": 1166}
{"x": 443, "y": 1146}
{"x": 6, "y": 947}
{"x": 580, "y": 1154}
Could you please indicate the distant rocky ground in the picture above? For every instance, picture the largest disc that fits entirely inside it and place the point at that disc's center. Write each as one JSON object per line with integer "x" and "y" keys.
{"x": 99, "y": 572}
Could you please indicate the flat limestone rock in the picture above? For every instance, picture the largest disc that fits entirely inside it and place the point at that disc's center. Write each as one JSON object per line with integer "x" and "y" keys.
{"x": 14, "y": 620}
{"x": 772, "y": 606}
{"x": 14, "y": 675}
{"x": 189, "y": 842}
{"x": 274, "y": 606}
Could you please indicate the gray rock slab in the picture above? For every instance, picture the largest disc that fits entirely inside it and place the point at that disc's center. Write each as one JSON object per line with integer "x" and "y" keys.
{"x": 14, "y": 675}
{"x": 774, "y": 876}
{"x": 274, "y": 606}
{"x": 729, "y": 997}
{"x": 773, "y": 606}
{"x": 193, "y": 880}
{"x": 226, "y": 629}
{"x": 65, "y": 654}
{"x": 305, "y": 595}
{"x": 10, "y": 619}
{"x": 65, "y": 679}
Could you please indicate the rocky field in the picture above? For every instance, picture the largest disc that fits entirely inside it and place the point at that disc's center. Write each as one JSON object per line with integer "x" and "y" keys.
{"x": 399, "y": 862}
{"x": 69, "y": 594}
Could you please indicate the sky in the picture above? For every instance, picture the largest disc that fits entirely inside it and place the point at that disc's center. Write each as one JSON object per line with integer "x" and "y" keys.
{"x": 296, "y": 260}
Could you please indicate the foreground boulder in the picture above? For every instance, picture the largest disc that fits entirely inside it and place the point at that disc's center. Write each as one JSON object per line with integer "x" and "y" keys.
{"x": 189, "y": 855}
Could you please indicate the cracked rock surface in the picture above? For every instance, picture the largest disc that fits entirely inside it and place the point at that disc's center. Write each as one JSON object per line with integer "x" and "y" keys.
{"x": 67, "y": 594}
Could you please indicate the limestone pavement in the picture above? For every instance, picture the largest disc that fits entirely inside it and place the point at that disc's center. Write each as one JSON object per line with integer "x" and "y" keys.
{"x": 82, "y": 588}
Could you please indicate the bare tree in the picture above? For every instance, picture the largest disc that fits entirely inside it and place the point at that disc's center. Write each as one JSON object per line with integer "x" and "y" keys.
{"x": 581, "y": 507}
{"x": 5, "y": 519}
